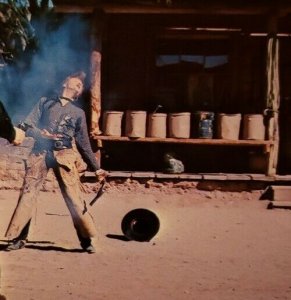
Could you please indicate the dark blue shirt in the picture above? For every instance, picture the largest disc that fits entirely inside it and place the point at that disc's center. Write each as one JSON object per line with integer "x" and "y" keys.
{"x": 68, "y": 121}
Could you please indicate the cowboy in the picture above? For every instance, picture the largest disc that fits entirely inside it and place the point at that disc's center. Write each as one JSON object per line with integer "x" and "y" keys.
{"x": 55, "y": 124}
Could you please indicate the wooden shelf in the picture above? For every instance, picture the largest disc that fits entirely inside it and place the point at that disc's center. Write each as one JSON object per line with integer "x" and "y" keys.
{"x": 222, "y": 142}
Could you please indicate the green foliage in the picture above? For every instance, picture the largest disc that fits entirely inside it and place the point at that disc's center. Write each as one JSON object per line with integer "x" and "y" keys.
{"x": 16, "y": 30}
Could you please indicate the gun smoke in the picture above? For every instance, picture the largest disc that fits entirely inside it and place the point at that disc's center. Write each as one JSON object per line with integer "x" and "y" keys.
{"x": 63, "y": 49}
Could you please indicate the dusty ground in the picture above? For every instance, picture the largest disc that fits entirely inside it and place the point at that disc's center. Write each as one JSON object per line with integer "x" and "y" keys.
{"x": 211, "y": 245}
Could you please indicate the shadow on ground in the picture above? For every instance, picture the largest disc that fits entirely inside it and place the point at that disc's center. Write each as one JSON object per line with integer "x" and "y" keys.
{"x": 42, "y": 246}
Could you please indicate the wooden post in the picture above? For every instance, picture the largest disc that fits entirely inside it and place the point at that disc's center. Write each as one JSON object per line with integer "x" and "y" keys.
{"x": 273, "y": 94}
{"x": 274, "y": 148}
{"x": 95, "y": 92}
{"x": 95, "y": 69}
{"x": 95, "y": 76}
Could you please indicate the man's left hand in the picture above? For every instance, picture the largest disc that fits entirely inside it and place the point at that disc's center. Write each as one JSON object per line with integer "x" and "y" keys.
{"x": 101, "y": 175}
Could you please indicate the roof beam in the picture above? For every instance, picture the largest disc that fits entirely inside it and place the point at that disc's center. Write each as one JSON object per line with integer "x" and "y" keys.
{"x": 217, "y": 10}
{"x": 222, "y": 9}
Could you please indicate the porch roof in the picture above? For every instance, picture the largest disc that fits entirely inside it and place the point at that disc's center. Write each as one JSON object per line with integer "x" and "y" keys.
{"x": 227, "y": 7}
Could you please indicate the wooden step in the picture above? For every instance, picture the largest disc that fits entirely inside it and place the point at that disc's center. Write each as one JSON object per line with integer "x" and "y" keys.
{"x": 279, "y": 204}
{"x": 280, "y": 193}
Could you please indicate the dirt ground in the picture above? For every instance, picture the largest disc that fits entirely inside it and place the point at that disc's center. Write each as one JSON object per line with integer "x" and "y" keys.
{"x": 211, "y": 245}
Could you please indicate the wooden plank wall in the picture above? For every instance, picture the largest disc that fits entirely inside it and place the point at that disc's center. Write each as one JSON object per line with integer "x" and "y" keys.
{"x": 132, "y": 81}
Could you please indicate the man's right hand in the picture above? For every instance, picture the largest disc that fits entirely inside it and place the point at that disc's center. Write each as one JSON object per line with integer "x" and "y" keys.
{"x": 52, "y": 136}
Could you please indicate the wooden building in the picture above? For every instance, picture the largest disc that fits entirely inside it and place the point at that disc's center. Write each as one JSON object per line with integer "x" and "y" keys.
{"x": 219, "y": 56}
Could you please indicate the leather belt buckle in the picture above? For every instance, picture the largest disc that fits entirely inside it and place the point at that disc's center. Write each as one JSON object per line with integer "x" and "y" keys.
{"x": 59, "y": 145}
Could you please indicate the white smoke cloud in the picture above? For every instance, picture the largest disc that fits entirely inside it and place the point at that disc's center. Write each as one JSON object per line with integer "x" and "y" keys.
{"x": 62, "y": 51}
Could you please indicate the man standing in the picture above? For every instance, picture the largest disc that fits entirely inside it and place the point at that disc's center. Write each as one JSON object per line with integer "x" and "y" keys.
{"x": 55, "y": 124}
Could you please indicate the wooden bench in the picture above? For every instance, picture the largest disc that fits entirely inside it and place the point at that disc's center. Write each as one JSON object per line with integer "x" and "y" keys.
{"x": 266, "y": 145}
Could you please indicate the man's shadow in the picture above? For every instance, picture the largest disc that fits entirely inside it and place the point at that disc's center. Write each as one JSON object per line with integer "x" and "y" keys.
{"x": 42, "y": 246}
